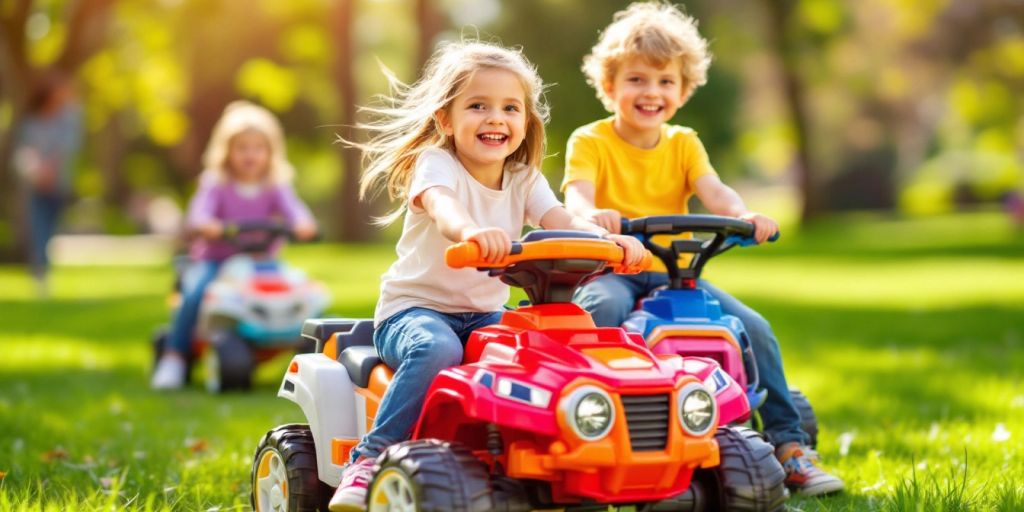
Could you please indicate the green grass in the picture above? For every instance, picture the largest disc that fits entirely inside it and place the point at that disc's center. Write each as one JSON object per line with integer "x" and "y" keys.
{"x": 908, "y": 337}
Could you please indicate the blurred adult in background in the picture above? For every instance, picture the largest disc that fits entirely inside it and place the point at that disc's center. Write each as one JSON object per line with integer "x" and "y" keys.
{"x": 47, "y": 141}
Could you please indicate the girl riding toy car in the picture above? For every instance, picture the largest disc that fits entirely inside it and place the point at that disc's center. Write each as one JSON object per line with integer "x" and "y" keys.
{"x": 253, "y": 310}
{"x": 688, "y": 321}
{"x": 545, "y": 411}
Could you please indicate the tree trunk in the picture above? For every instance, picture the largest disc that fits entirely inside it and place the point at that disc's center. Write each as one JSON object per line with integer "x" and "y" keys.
{"x": 430, "y": 23}
{"x": 110, "y": 155}
{"x": 350, "y": 214}
{"x": 781, "y": 33}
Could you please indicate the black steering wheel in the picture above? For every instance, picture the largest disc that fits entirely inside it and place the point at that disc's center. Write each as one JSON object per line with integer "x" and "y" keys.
{"x": 727, "y": 232}
{"x": 256, "y": 236}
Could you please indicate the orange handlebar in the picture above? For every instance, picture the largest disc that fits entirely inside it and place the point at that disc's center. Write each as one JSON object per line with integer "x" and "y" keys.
{"x": 467, "y": 254}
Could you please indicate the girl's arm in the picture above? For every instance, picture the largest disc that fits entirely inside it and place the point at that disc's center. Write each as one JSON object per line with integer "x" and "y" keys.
{"x": 721, "y": 199}
{"x": 579, "y": 201}
{"x": 560, "y": 218}
{"x": 301, "y": 219}
{"x": 455, "y": 224}
{"x": 201, "y": 216}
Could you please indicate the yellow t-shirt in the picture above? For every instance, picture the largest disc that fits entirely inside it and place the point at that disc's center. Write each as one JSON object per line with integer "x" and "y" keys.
{"x": 635, "y": 181}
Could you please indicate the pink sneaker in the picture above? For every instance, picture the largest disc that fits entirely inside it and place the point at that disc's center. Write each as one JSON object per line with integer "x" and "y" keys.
{"x": 351, "y": 494}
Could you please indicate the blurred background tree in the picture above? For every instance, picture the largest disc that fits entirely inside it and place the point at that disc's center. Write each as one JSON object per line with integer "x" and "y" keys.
{"x": 909, "y": 106}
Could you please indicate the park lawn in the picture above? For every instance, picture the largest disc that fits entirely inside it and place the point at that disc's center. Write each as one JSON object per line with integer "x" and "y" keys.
{"x": 907, "y": 335}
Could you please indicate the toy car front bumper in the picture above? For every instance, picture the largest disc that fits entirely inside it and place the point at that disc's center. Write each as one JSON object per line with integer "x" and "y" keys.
{"x": 611, "y": 472}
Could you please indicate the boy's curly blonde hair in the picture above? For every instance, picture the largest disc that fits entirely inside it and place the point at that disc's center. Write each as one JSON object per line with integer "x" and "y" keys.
{"x": 657, "y": 32}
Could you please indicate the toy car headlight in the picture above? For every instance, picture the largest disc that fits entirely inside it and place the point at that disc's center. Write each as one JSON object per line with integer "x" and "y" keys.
{"x": 514, "y": 390}
{"x": 590, "y": 412}
{"x": 697, "y": 410}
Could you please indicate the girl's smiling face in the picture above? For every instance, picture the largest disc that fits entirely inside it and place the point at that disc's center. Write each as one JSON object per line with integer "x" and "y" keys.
{"x": 249, "y": 156}
{"x": 487, "y": 120}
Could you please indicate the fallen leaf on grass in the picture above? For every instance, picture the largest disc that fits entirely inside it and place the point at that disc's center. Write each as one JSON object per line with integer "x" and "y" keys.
{"x": 57, "y": 453}
{"x": 196, "y": 445}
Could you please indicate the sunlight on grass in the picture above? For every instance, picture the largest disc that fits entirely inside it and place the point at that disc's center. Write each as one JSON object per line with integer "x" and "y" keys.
{"x": 905, "y": 335}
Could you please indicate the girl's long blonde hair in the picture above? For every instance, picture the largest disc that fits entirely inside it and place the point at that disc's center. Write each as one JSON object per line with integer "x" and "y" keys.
{"x": 238, "y": 117}
{"x": 407, "y": 124}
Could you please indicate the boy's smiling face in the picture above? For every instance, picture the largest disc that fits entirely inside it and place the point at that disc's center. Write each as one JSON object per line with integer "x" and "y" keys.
{"x": 644, "y": 97}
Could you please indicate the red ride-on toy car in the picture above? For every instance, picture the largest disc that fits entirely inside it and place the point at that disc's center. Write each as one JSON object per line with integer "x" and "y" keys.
{"x": 546, "y": 411}
{"x": 685, "y": 320}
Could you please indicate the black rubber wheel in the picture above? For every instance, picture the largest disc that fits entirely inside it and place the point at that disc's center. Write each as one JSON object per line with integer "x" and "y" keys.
{"x": 808, "y": 420}
{"x": 229, "y": 364}
{"x": 695, "y": 499}
{"x": 284, "y": 476}
{"x": 431, "y": 476}
{"x": 749, "y": 477}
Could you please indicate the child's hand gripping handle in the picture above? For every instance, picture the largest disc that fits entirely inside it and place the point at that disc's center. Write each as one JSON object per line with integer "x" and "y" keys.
{"x": 467, "y": 254}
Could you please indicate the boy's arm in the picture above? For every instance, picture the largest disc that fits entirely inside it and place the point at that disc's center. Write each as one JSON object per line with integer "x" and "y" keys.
{"x": 721, "y": 199}
{"x": 579, "y": 201}
{"x": 455, "y": 223}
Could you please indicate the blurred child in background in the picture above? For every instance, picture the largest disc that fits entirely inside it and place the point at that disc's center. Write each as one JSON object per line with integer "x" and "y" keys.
{"x": 247, "y": 177}
{"x": 48, "y": 139}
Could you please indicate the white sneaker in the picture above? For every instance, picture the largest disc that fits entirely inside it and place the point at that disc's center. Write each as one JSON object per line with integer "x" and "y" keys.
{"x": 169, "y": 372}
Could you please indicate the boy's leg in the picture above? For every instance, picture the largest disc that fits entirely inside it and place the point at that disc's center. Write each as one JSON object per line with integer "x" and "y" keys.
{"x": 611, "y": 297}
{"x": 780, "y": 417}
{"x": 418, "y": 343}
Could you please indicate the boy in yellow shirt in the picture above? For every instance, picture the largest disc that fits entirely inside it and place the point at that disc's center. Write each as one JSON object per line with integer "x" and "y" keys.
{"x": 644, "y": 67}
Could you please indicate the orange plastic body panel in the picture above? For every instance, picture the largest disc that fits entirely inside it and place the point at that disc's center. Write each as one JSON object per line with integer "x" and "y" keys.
{"x": 380, "y": 379}
{"x": 618, "y": 358}
{"x": 551, "y": 316}
{"x": 331, "y": 347}
{"x": 341, "y": 450}
{"x": 467, "y": 254}
{"x": 610, "y": 464}
{"x": 692, "y": 331}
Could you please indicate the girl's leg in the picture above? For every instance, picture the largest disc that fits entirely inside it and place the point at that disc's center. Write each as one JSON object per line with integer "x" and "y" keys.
{"x": 197, "y": 277}
{"x": 418, "y": 343}
{"x": 781, "y": 419}
{"x": 610, "y": 298}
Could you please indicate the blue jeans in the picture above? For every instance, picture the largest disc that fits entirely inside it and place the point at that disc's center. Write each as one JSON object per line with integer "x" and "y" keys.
{"x": 610, "y": 298}
{"x": 44, "y": 213}
{"x": 194, "y": 280}
{"x": 418, "y": 343}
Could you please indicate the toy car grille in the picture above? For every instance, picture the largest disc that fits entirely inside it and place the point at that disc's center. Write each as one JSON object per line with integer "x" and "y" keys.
{"x": 647, "y": 417}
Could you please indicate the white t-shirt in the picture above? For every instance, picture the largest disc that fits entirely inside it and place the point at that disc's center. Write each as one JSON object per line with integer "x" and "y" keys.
{"x": 420, "y": 277}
